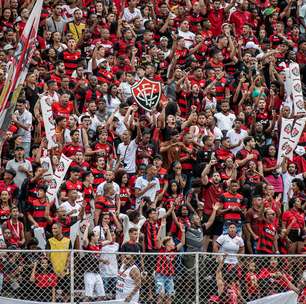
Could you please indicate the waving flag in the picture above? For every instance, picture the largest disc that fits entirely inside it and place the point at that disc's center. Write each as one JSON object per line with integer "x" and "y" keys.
{"x": 18, "y": 68}
{"x": 289, "y": 297}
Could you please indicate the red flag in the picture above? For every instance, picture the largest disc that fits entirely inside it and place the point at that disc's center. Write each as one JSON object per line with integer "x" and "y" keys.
{"x": 19, "y": 68}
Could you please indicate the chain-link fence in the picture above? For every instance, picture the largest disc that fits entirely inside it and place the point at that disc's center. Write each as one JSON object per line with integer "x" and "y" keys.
{"x": 86, "y": 276}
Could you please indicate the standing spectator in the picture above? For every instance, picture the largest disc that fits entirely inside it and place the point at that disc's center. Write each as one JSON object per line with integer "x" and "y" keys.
{"x": 165, "y": 267}
{"x": 147, "y": 186}
{"x": 20, "y": 165}
{"x": 60, "y": 260}
{"x": 56, "y": 23}
{"x": 15, "y": 227}
{"x": 128, "y": 280}
{"x": 267, "y": 234}
{"x": 293, "y": 221}
{"x": 45, "y": 280}
{"x": 23, "y": 120}
{"x": 233, "y": 207}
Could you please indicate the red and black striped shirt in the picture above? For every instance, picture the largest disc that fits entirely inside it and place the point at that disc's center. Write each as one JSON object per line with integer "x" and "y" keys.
{"x": 150, "y": 231}
{"x": 267, "y": 233}
{"x": 71, "y": 60}
{"x": 230, "y": 200}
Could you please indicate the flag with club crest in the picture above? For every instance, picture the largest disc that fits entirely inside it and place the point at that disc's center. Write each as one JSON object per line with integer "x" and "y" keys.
{"x": 18, "y": 68}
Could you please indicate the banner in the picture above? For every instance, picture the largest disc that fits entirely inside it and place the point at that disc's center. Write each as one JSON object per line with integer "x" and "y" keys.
{"x": 289, "y": 297}
{"x": 293, "y": 89}
{"x": 47, "y": 114}
{"x": 18, "y": 68}
{"x": 296, "y": 89}
{"x": 46, "y": 164}
{"x": 39, "y": 233}
{"x": 290, "y": 134}
{"x": 147, "y": 93}
{"x": 4, "y": 300}
{"x": 58, "y": 178}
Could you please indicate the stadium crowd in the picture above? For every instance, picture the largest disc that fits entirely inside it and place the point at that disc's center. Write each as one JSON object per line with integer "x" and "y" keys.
{"x": 197, "y": 173}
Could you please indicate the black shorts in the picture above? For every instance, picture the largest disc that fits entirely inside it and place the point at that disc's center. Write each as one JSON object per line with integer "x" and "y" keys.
{"x": 295, "y": 236}
{"x": 215, "y": 229}
{"x": 64, "y": 284}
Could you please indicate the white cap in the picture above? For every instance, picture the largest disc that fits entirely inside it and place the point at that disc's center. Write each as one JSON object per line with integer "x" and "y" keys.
{"x": 300, "y": 150}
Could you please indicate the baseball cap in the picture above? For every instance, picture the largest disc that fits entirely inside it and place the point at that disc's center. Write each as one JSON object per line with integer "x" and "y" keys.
{"x": 158, "y": 156}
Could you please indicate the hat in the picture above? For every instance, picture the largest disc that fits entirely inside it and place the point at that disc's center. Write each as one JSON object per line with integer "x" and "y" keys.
{"x": 299, "y": 150}
{"x": 157, "y": 156}
{"x": 164, "y": 38}
{"x": 251, "y": 45}
{"x": 10, "y": 171}
{"x": 19, "y": 148}
{"x": 269, "y": 11}
{"x": 8, "y": 47}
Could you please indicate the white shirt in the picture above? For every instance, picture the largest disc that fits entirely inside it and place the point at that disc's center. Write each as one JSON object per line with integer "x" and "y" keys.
{"x": 235, "y": 137}
{"x": 112, "y": 105}
{"x": 121, "y": 126}
{"x": 98, "y": 230}
{"x": 217, "y": 133}
{"x": 127, "y": 225}
{"x": 188, "y": 37}
{"x": 230, "y": 246}
{"x": 129, "y": 16}
{"x": 26, "y": 119}
{"x": 127, "y": 154}
{"x": 125, "y": 284}
{"x": 108, "y": 253}
{"x": 303, "y": 16}
{"x": 225, "y": 122}
{"x": 142, "y": 182}
{"x": 126, "y": 90}
{"x": 100, "y": 188}
{"x": 68, "y": 208}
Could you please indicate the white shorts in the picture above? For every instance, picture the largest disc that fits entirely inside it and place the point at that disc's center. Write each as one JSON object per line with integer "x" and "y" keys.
{"x": 93, "y": 285}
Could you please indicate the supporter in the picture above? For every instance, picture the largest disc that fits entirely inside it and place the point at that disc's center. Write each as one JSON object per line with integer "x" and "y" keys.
{"x": 230, "y": 243}
{"x": 164, "y": 276}
{"x": 23, "y": 121}
{"x": 171, "y": 109}
{"x": 128, "y": 280}
{"x": 14, "y": 229}
{"x": 45, "y": 280}
{"x": 294, "y": 223}
{"x": 60, "y": 260}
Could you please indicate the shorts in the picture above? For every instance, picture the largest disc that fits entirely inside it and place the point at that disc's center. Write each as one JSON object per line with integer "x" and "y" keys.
{"x": 295, "y": 236}
{"x": 164, "y": 284}
{"x": 93, "y": 285}
{"x": 216, "y": 228}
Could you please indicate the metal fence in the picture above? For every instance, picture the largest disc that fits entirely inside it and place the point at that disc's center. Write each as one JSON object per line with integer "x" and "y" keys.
{"x": 78, "y": 276}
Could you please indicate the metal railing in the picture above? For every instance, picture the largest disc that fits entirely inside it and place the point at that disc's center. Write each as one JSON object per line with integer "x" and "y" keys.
{"x": 184, "y": 278}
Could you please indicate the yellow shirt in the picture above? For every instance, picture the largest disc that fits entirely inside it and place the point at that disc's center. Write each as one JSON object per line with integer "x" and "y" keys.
{"x": 59, "y": 259}
{"x": 76, "y": 30}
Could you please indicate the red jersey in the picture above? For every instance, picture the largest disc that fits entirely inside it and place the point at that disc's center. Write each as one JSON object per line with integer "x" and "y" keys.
{"x": 59, "y": 110}
{"x": 267, "y": 234}
{"x": 71, "y": 149}
{"x": 105, "y": 205}
{"x": 216, "y": 18}
{"x": 290, "y": 215}
{"x": 165, "y": 262}
{"x": 210, "y": 195}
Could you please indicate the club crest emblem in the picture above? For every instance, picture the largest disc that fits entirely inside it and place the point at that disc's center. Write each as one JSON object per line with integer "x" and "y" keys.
{"x": 147, "y": 93}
